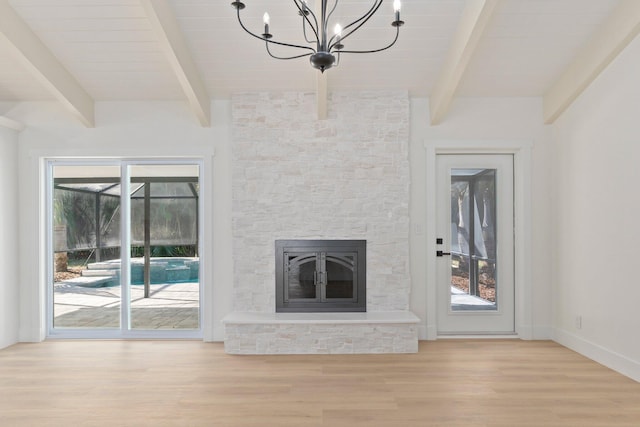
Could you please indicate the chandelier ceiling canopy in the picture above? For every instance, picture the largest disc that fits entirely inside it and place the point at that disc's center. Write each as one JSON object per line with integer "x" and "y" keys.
{"x": 323, "y": 50}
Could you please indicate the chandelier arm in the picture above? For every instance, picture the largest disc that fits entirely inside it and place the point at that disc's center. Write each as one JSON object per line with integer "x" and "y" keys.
{"x": 375, "y": 50}
{"x": 273, "y": 41}
{"x": 284, "y": 57}
{"x": 304, "y": 31}
{"x": 290, "y": 45}
{"x": 305, "y": 18}
{"x": 333, "y": 9}
{"x": 326, "y": 22}
{"x": 360, "y": 21}
{"x": 374, "y": 8}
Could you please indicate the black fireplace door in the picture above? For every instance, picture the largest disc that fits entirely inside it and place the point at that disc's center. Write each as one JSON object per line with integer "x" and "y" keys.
{"x": 320, "y": 278}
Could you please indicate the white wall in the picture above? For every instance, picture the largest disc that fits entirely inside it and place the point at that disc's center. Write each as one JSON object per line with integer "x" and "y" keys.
{"x": 166, "y": 128}
{"x": 596, "y": 198}
{"x": 126, "y": 129}
{"x": 8, "y": 236}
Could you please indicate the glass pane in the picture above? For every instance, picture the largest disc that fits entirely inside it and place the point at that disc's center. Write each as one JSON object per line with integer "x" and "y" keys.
{"x": 165, "y": 289}
{"x": 340, "y": 276}
{"x": 300, "y": 280}
{"x": 473, "y": 239}
{"x": 86, "y": 245}
{"x": 485, "y": 241}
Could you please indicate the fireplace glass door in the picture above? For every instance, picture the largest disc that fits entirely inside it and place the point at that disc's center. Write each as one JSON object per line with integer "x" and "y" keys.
{"x": 320, "y": 276}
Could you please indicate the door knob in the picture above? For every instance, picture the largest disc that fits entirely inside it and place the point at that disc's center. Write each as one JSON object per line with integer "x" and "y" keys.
{"x": 441, "y": 253}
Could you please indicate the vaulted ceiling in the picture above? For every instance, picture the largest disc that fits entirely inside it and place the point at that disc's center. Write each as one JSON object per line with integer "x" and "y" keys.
{"x": 82, "y": 51}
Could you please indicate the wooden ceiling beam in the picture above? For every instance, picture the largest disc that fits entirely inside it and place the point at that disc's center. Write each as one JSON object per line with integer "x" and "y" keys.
{"x": 322, "y": 89}
{"x": 473, "y": 22}
{"x": 44, "y": 66}
{"x": 175, "y": 48}
{"x": 605, "y": 45}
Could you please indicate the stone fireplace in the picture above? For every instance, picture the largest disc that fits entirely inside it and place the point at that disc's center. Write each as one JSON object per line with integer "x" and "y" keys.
{"x": 344, "y": 178}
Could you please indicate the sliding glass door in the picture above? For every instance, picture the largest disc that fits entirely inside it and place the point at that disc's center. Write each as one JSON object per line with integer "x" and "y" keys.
{"x": 85, "y": 216}
{"x": 164, "y": 262}
{"x": 125, "y": 248}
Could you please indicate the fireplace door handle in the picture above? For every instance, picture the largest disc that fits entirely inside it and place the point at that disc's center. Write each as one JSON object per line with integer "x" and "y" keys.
{"x": 318, "y": 278}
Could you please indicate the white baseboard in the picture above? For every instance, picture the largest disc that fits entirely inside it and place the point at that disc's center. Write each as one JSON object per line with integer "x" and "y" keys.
{"x": 542, "y": 332}
{"x": 431, "y": 333}
{"x": 479, "y": 337}
{"x": 524, "y": 332}
{"x": 604, "y": 356}
{"x": 7, "y": 342}
{"x": 217, "y": 334}
{"x": 30, "y": 335}
{"x": 423, "y": 332}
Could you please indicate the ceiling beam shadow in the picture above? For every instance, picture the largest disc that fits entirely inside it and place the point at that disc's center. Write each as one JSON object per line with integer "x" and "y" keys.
{"x": 473, "y": 22}
{"x": 8, "y": 123}
{"x": 44, "y": 66}
{"x": 175, "y": 48}
{"x": 607, "y": 42}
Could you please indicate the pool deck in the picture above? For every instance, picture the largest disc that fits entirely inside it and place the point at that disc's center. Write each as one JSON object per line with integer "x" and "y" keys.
{"x": 169, "y": 306}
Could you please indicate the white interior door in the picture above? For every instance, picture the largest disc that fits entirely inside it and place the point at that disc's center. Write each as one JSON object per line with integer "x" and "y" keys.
{"x": 475, "y": 244}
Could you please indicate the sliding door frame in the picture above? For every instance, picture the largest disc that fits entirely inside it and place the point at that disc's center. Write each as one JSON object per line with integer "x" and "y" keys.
{"x": 124, "y": 331}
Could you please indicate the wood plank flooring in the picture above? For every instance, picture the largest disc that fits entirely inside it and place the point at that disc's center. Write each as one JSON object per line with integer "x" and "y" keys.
{"x": 468, "y": 383}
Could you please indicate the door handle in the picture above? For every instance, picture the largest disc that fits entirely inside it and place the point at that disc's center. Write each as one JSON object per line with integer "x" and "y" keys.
{"x": 440, "y": 241}
{"x": 319, "y": 278}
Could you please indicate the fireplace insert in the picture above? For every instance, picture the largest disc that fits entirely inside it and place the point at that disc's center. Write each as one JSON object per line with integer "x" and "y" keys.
{"x": 321, "y": 275}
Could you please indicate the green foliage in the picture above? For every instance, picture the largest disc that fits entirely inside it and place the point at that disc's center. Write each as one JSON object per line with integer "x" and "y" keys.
{"x": 165, "y": 251}
{"x": 173, "y": 217}
{"x": 77, "y": 210}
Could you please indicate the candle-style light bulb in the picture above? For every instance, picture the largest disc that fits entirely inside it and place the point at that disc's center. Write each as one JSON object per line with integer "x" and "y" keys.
{"x": 304, "y": 8}
{"x": 337, "y": 30}
{"x": 266, "y": 19}
{"x": 396, "y": 7}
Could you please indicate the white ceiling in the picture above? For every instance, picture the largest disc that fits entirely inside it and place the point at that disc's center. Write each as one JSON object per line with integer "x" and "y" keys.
{"x": 111, "y": 49}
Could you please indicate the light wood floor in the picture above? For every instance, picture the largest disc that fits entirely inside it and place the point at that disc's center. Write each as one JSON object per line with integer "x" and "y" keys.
{"x": 186, "y": 383}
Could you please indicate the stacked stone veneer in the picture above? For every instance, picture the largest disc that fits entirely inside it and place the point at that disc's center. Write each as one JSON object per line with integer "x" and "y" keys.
{"x": 295, "y": 177}
{"x": 319, "y": 338}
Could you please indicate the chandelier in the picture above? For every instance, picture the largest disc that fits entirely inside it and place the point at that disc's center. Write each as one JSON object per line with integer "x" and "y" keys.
{"x": 323, "y": 51}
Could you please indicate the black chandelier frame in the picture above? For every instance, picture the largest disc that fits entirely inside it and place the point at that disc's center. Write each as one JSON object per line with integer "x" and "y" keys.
{"x": 327, "y": 50}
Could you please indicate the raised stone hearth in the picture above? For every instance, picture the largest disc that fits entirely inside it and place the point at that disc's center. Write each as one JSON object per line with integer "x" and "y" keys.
{"x": 321, "y": 333}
